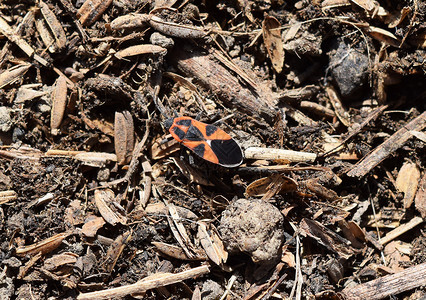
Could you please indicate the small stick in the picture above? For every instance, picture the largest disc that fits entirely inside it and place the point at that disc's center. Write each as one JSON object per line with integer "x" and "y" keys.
{"x": 388, "y": 147}
{"x": 388, "y": 285}
{"x": 276, "y": 154}
{"x": 400, "y": 230}
{"x": 373, "y": 115}
{"x": 143, "y": 285}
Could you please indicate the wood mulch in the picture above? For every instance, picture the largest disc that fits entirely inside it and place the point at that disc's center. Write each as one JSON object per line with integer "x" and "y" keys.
{"x": 326, "y": 100}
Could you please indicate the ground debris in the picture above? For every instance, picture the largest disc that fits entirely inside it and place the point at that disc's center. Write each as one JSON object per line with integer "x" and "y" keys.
{"x": 294, "y": 169}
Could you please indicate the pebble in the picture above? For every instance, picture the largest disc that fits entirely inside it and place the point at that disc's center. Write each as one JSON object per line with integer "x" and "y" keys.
{"x": 349, "y": 68}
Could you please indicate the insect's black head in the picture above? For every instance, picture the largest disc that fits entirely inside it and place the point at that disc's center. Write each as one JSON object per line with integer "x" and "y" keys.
{"x": 168, "y": 123}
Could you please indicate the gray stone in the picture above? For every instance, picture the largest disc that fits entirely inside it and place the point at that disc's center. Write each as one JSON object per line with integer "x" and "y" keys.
{"x": 348, "y": 67}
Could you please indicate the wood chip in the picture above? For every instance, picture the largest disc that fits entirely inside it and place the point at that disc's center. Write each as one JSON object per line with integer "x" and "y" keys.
{"x": 407, "y": 182}
{"x": 104, "y": 202}
{"x": 176, "y": 30}
{"x": 6, "y": 196}
{"x": 13, "y": 74}
{"x": 44, "y": 246}
{"x": 401, "y": 230}
{"x": 420, "y": 200}
{"x": 59, "y": 260}
{"x": 388, "y": 285}
{"x": 90, "y": 228}
{"x": 92, "y": 10}
{"x": 59, "y": 103}
{"x": 124, "y": 137}
{"x": 221, "y": 81}
{"x": 273, "y": 42}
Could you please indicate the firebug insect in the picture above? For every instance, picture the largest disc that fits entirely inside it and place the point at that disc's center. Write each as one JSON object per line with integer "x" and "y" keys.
{"x": 207, "y": 141}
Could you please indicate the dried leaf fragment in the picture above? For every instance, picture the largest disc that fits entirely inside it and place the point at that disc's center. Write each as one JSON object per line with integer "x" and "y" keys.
{"x": 273, "y": 42}
{"x": 104, "y": 201}
{"x": 59, "y": 260}
{"x": 161, "y": 148}
{"x": 177, "y": 252}
{"x": 191, "y": 173}
{"x": 140, "y": 49}
{"x": 59, "y": 103}
{"x": 45, "y": 34}
{"x": 54, "y": 25}
{"x": 11, "y": 75}
{"x": 131, "y": 21}
{"x": 160, "y": 208}
{"x": 90, "y": 228}
{"x": 44, "y": 246}
{"x": 327, "y": 238}
{"x": 384, "y": 36}
{"x": 261, "y": 186}
{"x": 124, "y": 139}
{"x": 115, "y": 250}
{"x": 407, "y": 182}
{"x": 92, "y": 10}
{"x": 212, "y": 244}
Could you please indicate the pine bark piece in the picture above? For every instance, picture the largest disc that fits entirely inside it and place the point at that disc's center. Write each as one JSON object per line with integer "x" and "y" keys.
{"x": 92, "y": 10}
{"x": 388, "y": 285}
{"x": 222, "y": 82}
{"x": 273, "y": 42}
{"x": 420, "y": 200}
{"x": 388, "y": 147}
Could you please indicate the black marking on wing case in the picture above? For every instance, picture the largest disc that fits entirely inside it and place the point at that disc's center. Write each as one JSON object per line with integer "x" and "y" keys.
{"x": 184, "y": 122}
{"x": 210, "y": 129}
{"x": 179, "y": 132}
{"x": 228, "y": 152}
{"x": 199, "y": 150}
{"x": 194, "y": 134}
